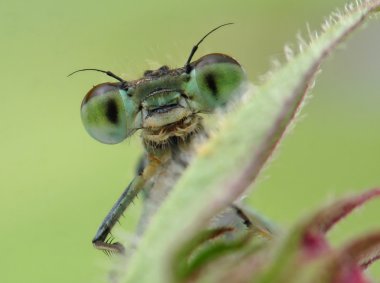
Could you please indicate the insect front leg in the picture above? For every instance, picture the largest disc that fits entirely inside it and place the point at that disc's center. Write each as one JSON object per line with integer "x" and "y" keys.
{"x": 139, "y": 182}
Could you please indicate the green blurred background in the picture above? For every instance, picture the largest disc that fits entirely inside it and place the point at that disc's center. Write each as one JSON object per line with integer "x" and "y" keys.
{"x": 57, "y": 183}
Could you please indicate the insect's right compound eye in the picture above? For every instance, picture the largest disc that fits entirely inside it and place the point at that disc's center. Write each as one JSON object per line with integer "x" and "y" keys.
{"x": 103, "y": 113}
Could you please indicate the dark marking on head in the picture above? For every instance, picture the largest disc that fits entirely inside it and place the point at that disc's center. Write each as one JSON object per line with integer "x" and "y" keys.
{"x": 164, "y": 70}
{"x": 112, "y": 112}
{"x": 148, "y": 73}
{"x": 211, "y": 83}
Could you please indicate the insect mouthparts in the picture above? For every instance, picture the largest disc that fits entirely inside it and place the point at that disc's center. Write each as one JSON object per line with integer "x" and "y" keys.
{"x": 163, "y": 108}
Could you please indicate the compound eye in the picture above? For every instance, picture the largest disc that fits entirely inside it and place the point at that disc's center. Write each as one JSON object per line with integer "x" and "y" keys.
{"x": 219, "y": 78}
{"x": 103, "y": 113}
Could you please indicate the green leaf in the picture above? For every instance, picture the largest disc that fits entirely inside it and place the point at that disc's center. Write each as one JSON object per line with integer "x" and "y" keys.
{"x": 234, "y": 156}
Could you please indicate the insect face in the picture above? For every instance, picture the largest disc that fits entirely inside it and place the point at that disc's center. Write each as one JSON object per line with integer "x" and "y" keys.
{"x": 111, "y": 111}
{"x": 161, "y": 100}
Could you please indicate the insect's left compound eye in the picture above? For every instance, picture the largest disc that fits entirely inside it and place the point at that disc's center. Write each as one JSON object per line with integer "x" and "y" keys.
{"x": 219, "y": 78}
{"x": 103, "y": 113}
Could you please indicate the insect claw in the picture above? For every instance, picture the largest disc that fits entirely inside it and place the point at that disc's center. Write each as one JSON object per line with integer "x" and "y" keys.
{"x": 109, "y": 240}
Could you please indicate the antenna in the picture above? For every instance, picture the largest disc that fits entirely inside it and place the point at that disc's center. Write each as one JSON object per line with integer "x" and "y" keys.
{"x": 195, "y": 47}
{"x": 108, "y": 73}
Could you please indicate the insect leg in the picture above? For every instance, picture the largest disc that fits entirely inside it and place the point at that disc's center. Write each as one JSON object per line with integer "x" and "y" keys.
{"x": 100, "y": 240}
{"x": 254, "y": 221}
